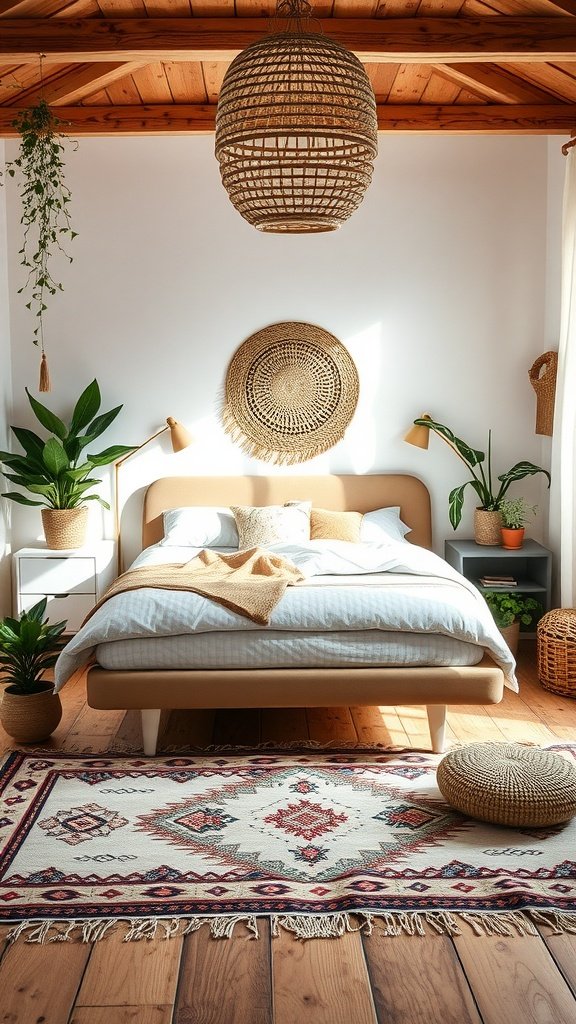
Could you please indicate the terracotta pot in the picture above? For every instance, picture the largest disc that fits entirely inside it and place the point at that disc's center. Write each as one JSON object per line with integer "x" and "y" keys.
{"x": 65, "y": 527}
{"x": 512, "y": 539}
{"x": 30, "y": 717}
{"x": 487, "y": 526}
{"x": 511, "y": 635}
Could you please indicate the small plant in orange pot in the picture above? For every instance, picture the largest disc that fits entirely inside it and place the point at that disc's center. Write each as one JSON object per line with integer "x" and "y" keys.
{"x": 515, "y": 514}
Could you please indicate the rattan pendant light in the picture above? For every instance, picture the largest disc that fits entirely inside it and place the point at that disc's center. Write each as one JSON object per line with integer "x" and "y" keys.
{"x": 296, "y": 129}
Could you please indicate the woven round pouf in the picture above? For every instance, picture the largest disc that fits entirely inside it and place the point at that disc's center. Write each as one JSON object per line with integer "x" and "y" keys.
{"x": 508, "y": 784}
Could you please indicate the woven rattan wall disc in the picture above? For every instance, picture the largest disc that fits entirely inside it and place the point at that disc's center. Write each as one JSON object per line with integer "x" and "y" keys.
{"x": 291, "y": 391}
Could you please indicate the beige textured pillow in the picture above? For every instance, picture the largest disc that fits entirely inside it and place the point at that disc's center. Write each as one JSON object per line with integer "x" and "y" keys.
{"x": 325, "y": 525}
{"x": 272, "y": 524}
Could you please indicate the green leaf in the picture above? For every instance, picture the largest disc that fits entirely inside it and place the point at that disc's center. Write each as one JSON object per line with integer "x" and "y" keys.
{"x": 55, "y": 458}
{"x": 31, "y": 443}
{"x": 37, "y": 611}
{"x": 86, "y": 408}
{"x": 101, "y": 423}
{"x": 48, "y": 419}
{"x": 20, "y": 499}
{"x": 111, "y": 454}
{"x": 472, "y": 456}
{"x": 455, "y": 504}
{"x": 521, "y": 470}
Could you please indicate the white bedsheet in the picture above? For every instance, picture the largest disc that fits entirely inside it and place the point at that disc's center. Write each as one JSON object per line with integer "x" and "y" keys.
{"x": 396, "y": 587}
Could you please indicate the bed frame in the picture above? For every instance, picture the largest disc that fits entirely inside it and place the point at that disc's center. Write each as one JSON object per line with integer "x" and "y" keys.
{"x": 152, "y": 691}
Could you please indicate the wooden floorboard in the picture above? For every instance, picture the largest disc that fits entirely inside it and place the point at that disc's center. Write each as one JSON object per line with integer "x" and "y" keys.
{"x": 418, "y": 979}
{"x": 355, "y": 979}
{"x": 222, "y": 980}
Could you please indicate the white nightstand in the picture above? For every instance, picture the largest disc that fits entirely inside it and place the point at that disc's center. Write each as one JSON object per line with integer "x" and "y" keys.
{"x": 72, "y": 580}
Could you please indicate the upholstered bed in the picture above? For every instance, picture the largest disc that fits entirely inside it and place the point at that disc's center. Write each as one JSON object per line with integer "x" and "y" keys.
{"x": 293, "y": 685}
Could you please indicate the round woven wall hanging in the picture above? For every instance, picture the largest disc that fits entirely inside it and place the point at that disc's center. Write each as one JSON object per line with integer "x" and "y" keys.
{"x": 291, "y": 391}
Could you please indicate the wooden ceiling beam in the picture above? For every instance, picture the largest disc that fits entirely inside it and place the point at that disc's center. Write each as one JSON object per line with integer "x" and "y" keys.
{"x": 75, "y": 84}
{"x": 187, "y": 119}
{"x": 398, "y": 40}
{"x": 495, "y": 84}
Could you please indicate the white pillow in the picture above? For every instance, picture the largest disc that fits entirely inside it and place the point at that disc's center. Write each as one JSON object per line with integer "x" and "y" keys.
{"x": 200, "y": 527}
{"x": 272, "y": 524}
{"x": 383, "y": 521}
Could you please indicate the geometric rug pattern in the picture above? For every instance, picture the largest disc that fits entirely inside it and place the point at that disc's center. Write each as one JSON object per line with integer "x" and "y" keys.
{"x": 87, "y": 837}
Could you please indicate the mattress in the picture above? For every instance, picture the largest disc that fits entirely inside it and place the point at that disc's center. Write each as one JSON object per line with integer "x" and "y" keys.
{"x": 358, "y": 605}
{"x": 278, "y": 649}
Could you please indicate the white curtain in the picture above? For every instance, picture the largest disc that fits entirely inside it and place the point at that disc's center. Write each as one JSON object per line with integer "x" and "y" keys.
{"x": 563, "y": 489}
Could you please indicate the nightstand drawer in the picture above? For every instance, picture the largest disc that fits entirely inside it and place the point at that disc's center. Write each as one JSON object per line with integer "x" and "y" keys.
{"x": 57, "y": 576}
{"x": 73, "y": 607}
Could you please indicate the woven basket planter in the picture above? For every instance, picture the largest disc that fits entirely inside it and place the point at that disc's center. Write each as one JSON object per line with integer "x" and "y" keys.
{"x": 508, "y": 784}
{"x": 556, "y": 645}
{"x": 65, "y": 527}
{"x": 487, "y": 526}
{"x": 31, "y": 717}
{"x": 511, "y": 635}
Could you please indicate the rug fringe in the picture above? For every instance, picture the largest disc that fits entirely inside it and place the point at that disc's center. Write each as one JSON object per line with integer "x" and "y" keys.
{"x": 302, "y": 926}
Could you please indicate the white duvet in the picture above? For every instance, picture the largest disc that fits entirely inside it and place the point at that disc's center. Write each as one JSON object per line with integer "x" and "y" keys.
{"x": 394, "y": 586}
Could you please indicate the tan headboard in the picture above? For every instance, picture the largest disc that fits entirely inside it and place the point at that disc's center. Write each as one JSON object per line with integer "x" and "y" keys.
{"x": 340, "y": 493}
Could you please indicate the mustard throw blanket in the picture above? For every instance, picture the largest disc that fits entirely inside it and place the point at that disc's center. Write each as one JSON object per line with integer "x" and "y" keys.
{"x": 249, "y": 582}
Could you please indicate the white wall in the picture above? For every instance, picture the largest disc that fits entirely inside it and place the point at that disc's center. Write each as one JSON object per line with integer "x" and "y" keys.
{"x": 5, "y": 399}
{"x": 437, "y": 285}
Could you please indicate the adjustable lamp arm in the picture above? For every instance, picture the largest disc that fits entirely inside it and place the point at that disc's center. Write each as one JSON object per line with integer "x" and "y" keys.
{"x": 180, "y": 439}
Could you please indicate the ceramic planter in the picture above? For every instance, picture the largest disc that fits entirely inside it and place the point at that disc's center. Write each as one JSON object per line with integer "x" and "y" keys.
{"x": 512, "y": 539}
{"x": 30, "y": 717}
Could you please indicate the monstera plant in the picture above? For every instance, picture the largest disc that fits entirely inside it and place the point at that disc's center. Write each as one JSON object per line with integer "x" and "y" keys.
{"x": 58, "y": 471}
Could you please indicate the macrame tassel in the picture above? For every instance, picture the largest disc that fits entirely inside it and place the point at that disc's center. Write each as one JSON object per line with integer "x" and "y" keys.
{"x": 44, "y": 374}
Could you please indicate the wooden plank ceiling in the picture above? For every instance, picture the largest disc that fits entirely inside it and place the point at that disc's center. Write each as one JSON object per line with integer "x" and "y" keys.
{"x": 156, "y": 66}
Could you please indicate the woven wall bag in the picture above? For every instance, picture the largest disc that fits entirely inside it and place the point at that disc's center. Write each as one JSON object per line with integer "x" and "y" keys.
{"x": 542, "y": 375}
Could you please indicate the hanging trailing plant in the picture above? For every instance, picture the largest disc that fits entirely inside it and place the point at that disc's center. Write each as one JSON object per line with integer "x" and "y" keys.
{"x": 45, "y": 198}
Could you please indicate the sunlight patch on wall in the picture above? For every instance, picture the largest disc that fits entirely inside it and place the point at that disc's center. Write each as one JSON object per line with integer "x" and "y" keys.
{"x": 361, "y": 441}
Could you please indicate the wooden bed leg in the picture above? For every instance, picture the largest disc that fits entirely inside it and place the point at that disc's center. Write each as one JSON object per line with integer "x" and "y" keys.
{"x": 150, "y": 727}
{"x": 437, "y": 724}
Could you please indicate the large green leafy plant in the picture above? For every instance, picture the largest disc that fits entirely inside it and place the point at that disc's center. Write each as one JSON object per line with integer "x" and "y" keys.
{"x": 479, "y": 464}
{"x": 28, "y": 647}
{"x": 509, "y": 608}
{"x": 58, "y": 471}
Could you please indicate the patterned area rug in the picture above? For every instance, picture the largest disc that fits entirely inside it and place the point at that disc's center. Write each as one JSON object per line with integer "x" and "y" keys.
{"x": 319, "y": 843}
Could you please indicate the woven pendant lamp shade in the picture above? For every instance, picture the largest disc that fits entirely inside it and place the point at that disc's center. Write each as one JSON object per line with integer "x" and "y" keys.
{"x": 296, "y": 129}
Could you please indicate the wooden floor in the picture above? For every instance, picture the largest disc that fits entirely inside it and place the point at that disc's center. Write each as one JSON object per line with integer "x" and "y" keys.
{"x": 352, "y": 980}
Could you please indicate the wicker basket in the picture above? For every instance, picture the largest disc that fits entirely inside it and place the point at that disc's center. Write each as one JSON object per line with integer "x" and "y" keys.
{"x": 542, "y": 375}
{"x": 556, "y": 645}
{"x": 509, "y": 784}
{"x": 511, "y": 636}
{"x": 65, "y": 527}
{"x": 487, "y": 526}
{"x": 31, "y": 717}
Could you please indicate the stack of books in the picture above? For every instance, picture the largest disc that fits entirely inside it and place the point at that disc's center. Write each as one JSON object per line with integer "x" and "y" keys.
{"x": 499, "y": 581}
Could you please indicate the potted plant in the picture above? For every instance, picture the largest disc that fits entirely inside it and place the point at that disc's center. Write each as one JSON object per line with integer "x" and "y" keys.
{"x": 30, "y": 710}
{"x": 515, "y": 514}
{"x": 510, "y": 611}
{"x": 486, "y": 528}
{"x": 45, "y": 199}
{"x": 58, "y": 470}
